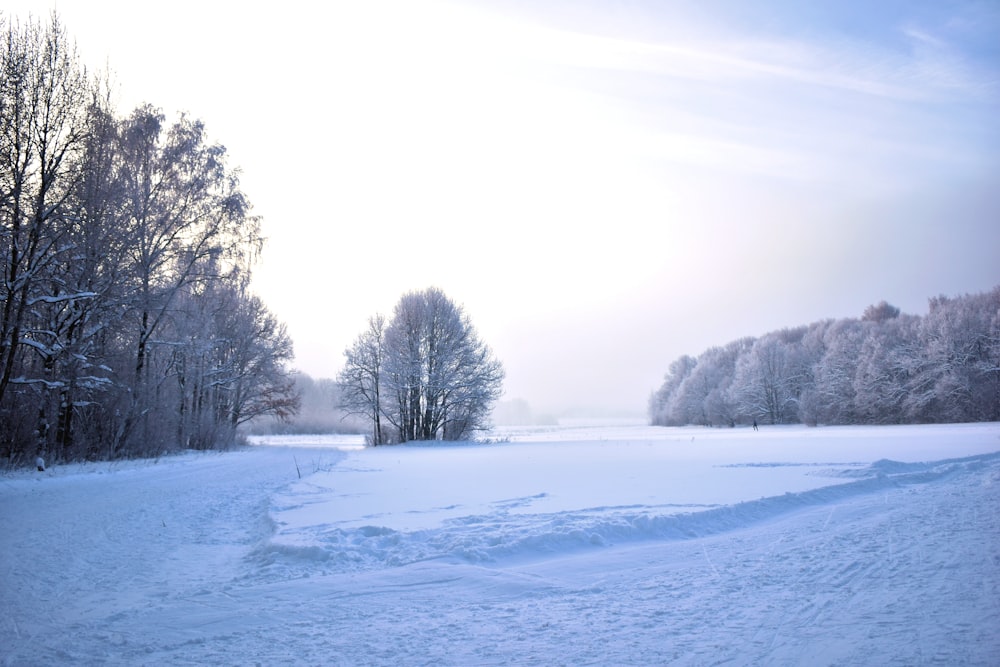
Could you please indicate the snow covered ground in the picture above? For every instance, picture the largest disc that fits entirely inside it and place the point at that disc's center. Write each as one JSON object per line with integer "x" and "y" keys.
{"x": 574, "y": 545}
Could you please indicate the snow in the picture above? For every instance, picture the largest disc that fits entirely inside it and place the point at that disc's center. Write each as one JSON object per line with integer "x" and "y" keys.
{"x": 579, "y": 544}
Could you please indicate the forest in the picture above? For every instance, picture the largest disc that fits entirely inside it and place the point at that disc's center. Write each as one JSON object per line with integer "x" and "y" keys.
{"x": 885, "y": 367}
{"x": 128, "y": 327}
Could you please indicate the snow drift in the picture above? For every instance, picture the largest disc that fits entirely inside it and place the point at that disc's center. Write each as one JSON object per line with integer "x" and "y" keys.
{"x": 612, "y": 545}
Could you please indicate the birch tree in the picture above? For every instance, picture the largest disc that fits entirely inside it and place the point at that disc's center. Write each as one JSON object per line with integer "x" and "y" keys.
{"x": 185, "y": 213}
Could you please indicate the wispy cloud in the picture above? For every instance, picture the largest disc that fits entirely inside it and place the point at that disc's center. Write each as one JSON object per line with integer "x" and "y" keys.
{"x": 859, "y": 67}
{"x": 836, "y": 107}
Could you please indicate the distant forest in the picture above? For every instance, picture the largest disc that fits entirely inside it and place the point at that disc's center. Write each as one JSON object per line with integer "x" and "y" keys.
{"x": 884, "y": 368}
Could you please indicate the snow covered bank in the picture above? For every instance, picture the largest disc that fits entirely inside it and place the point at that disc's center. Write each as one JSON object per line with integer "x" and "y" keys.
{"x": 557, "y": 490}
{"x": 623, "y": 545}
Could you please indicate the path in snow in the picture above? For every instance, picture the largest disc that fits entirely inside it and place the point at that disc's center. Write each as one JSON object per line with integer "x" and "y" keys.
{"x": 89, "y": 549}
{"x": 175, "y": 563}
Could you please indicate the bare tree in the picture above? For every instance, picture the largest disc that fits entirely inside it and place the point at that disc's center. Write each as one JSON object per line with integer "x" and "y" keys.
{"x": 880, "y": 312}
{"x": 361, "y": 377}
{"x": 126, "y": 323}
{"x": 426, "y": 374}
{"x": 186, "y": 217}
{"x": 230, "y": 365}
{"x": 43, "y": 96}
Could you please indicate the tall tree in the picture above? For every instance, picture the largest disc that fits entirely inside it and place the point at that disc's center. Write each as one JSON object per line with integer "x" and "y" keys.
{"x": 43, "y": 96}
{"x": 186, "y": 217}
{"x": 126, "y": 323}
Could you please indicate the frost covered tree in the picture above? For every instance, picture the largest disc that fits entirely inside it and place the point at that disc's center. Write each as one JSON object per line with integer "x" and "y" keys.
{"x": 424, "y": 375}
{"x": 43, "y": 95}
{"x": 885, "y": 363}
{"x": 958, "y": 375}
{"x": 361, "y": 377}
{"x": 126, "y": 244}
{"x": 665, "y": 404}
{"x": 831, "y": 397}
{"x": 186, "y": 219}
{"x": 228, "y": 363}
{"x": 91, "y": 267}
{"x": 770, "y": 377}
{"x": 721, "y": 404}
{"x": 884, "y": 367}
{"x": 705, "y": 395}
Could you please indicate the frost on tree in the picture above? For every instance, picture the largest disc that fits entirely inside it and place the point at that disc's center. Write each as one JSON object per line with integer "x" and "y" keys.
{"x": 423, "y": 375}
{"x": 882, "y": 368}
{"x": 127, "y": 327}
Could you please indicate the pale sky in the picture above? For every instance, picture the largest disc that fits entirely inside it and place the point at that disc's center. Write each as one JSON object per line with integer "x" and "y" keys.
{"x": 604, "y": 186}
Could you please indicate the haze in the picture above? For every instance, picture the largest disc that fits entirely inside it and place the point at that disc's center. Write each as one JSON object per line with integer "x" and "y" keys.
{"x": 603, "y": 186}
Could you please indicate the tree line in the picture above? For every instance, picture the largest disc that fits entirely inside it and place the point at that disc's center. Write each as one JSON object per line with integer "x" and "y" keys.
{"x": 883, "y": 368}
{"x": 424, "y": 375}
{"x": 127, "y": 326}
{"x": 319, "y": 412}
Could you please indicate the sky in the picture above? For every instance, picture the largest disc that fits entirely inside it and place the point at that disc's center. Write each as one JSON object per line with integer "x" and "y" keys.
{"x": 603, "y": 186}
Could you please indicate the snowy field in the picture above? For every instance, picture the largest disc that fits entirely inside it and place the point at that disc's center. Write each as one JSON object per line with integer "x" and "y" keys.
{"x": 618, "y": 544}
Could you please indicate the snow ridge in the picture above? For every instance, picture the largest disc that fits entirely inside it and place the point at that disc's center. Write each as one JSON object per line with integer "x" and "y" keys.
{"x": 504, "y": 535}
